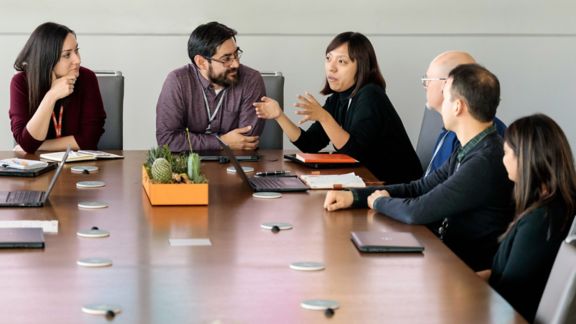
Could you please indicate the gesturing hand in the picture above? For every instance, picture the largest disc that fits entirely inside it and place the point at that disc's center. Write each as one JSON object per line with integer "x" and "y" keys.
{"x": 268, "y": 108}
{"x": 309, "y": 107}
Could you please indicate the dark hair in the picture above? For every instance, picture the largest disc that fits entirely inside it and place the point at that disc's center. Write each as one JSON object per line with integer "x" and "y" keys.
{"x": 545, "y": 164}
{"x": 361, "y": 51}
{"x": 479, "y": 88}
{"x": 206, "y": 38}
{"x": 38, "y": 58}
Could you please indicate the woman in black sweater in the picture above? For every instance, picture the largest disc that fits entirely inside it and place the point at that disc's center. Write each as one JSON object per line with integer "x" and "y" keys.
{"x": 538, "y": 159}
{"x": 358, "y": 118}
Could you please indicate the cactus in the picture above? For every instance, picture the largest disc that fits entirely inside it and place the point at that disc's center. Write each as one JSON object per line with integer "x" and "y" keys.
{"x": 194, "y": 168}
{"x": 161, "y": 170}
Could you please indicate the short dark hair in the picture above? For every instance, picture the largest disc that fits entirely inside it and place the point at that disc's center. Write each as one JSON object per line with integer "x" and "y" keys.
{"x": 479, "y": 88}
{"x": 38, "y": 58}
{"x": 361, "y": 51}
{"x": 545, "y": 165}
{"x": 206, "y": 38}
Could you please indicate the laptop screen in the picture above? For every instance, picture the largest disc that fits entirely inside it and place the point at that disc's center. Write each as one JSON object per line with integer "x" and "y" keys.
{"x": 56, "y": 175}
{"x": 228, "y": 152}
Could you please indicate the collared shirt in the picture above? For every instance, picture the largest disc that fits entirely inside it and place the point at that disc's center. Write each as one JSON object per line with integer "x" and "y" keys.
{"x": 181, "y": 105}
{"x": 462, "y": 151}
{"x": 447, "y": 143}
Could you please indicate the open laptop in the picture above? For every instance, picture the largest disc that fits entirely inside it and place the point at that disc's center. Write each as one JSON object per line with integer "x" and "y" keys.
{"x": 268, "y": 183}
{"x": 30, "y": 198}
{"x": 374, "y": 241}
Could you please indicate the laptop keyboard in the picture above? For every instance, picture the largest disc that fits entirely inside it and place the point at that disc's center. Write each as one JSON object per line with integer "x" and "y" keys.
{"x": 24, "y": 196}
{"x": 267, "y": 182}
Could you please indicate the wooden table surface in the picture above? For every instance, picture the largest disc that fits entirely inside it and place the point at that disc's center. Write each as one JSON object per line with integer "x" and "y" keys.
{"x": 244, "y": 276}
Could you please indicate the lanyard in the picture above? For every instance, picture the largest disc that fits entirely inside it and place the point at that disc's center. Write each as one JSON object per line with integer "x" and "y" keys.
{"x": 58, "y": 125}
{"x": 213, "y": 115}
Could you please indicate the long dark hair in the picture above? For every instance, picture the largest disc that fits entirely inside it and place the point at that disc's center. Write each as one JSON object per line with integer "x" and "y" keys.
{"x": 361, "y": 51}
{"x": 38, "y": 58}
{"x": 545, "y": 165}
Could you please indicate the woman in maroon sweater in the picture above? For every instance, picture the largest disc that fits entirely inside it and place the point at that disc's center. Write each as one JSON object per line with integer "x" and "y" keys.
{"x": 54, "y": 102}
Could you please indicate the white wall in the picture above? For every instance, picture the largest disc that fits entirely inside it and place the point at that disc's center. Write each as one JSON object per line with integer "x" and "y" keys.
{"x": 529, "y": 45}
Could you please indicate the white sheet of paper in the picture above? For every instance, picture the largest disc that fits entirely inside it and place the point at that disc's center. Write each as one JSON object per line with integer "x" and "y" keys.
{"x": 190, "y": 242}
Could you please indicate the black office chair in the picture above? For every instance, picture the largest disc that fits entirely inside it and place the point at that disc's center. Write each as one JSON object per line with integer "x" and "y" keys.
{"x": 429, "y": 130}
{"x": 272, "y": 135}
{"x": 112, "y": 90}
{"x": 558, "y": 303}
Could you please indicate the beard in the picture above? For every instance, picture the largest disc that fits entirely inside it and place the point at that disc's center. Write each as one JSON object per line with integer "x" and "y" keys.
{"x": 224, "y": 79}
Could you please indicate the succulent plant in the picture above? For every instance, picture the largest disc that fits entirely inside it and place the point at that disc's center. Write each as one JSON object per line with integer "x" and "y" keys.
{"x": 164, "y": 167}
{"x": 161, "y": 170}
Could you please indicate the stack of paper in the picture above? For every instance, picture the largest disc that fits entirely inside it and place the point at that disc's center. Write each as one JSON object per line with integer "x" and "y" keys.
{"x": 337, "y": 181}
{"x": 81, "y": 155}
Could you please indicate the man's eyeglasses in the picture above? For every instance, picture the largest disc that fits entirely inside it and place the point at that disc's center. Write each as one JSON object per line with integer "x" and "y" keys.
{"x": 426, "y": 80}
{"x": 227, "y": 60}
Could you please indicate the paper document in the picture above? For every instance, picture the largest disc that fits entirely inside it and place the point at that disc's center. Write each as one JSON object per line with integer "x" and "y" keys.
{"x": 333, "y": 181}
{"x": 82, "y": 155}
{"x": 48, "y": 226}
{"x": 22, "y": 164}
{"x": 190, "y": 242}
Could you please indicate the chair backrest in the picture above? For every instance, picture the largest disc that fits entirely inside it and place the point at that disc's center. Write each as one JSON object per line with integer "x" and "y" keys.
{"x": 112, "y": 90}
{"x": 429, "y": 130}
{"x": 272, "y": 135}
{"x": 558, "y": 303}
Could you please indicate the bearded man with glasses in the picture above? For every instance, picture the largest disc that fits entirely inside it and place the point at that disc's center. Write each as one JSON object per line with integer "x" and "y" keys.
{"x": 211, "y": 95}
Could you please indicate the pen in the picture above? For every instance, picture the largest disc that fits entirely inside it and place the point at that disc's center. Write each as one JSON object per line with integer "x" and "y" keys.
{"x": 271, "y": 173}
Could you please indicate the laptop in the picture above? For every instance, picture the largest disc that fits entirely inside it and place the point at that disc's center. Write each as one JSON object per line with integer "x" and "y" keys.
{"x": 324, "y": 165}
{"x": 375, "y": 241}
{"x": 268, "y": 183}
{"x": 29, "y": 198}
{"x": 213, "y": 155}
{"x": 26, "y": 238}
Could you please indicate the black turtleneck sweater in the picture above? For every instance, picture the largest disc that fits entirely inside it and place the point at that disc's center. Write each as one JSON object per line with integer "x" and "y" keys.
{"x": 377, "y": 136}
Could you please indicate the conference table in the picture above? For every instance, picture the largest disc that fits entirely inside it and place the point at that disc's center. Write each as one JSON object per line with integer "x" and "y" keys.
{"x": 243, "y": 276}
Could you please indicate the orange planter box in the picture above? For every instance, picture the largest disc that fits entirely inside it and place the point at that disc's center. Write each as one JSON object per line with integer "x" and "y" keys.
{"x": 174, "y": 194}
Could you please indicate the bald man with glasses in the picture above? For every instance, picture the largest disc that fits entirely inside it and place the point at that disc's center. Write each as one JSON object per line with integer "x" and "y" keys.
{"x": 211, "y": 95}
{"x": 433, "y": 82}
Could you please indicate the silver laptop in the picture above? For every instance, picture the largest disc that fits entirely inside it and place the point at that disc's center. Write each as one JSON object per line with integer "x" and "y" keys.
{"x": 374, "y": 241}
{"x": 268, "y": 183}
{"x": 28, "y": 198}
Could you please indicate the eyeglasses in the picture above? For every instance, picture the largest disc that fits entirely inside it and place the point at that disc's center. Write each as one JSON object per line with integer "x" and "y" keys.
{"x": 227, "y": 60}
{"x": 426, "y": 80}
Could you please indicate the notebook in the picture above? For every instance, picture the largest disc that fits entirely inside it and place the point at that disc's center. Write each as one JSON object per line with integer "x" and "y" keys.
{"x": 31, "y": 198}
{"x": 268, "y": 183}
{"x": 80, "y": 155}
{"x": 375, "y": 241}
{"x": 21, "y": 238}
{"x": 322, "y": 163}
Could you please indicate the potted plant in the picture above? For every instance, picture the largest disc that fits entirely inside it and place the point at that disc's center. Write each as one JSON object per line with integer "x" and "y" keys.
{"x": 174, "y": 179}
